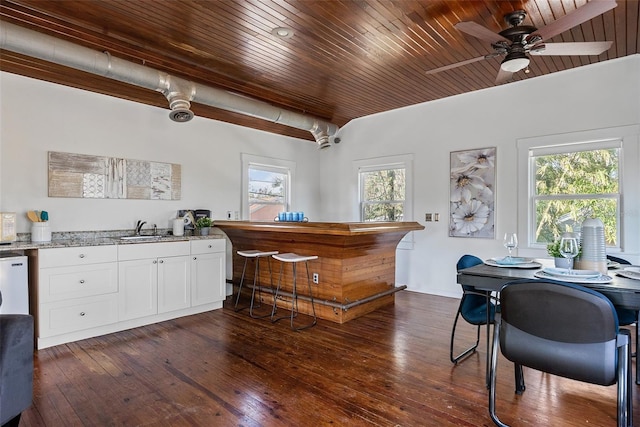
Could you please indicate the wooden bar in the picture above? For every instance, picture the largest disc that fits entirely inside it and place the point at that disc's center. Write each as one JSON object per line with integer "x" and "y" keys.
{"x": 356, "y": 264}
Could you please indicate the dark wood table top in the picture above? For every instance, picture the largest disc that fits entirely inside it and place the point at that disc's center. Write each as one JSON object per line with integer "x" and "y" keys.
{"x": 622, "y": 291}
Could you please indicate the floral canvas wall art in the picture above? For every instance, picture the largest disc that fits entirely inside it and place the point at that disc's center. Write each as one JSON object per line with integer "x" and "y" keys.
{"x": 472, "y": 193}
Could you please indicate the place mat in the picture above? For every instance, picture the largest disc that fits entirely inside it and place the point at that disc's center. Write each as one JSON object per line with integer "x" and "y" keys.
{"x": 630, "y": 273}
{"x": 573, "y": 279}
{"x": 515, "y": 262}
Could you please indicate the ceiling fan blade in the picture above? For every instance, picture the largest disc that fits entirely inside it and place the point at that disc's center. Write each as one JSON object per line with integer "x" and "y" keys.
{"x": 456, "y": 65}
{"x": 478, "y": 31}
{"x": 503, "y": 76}
{"x": 580, "y": 15}
{"x": 572, "y": 49}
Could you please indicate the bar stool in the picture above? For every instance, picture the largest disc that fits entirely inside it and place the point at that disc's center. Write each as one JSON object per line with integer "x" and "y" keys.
{"x": 294, "y": 259}
{"x": 255, "y": 255}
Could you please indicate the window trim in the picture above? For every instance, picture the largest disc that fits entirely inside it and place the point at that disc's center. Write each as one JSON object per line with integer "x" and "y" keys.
{"x": 626, "y": 137}
{"x": 389, "y": 162}
{"x": 268, "y": 164}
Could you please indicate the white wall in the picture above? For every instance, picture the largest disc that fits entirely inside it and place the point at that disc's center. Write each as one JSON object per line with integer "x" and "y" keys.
{"x": 37, "y": 117}
{"x": 598, "y": 96}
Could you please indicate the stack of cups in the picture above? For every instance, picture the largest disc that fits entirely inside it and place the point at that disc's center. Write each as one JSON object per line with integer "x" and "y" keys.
{"x": 594, "y": 254}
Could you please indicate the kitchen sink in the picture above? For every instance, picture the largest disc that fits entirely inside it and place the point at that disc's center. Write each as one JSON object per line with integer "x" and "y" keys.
{"x": 140, "y": 237}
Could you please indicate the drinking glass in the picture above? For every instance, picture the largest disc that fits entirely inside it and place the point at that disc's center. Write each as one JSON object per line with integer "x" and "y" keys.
{"x": 569, "y": 249}
{"x": 510, "y": 242}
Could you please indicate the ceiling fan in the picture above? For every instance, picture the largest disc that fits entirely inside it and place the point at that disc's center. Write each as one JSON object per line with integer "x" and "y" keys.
{"x": 519, "y": 41}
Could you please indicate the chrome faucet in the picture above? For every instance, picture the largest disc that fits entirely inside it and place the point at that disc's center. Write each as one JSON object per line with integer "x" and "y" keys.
{"x": 139, "y": 225}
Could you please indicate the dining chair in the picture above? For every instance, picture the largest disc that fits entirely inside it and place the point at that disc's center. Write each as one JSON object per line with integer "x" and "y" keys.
{"x": 627, "y": 317}
{"x": 563, "y": 329}
{"x": 475, "y": 308}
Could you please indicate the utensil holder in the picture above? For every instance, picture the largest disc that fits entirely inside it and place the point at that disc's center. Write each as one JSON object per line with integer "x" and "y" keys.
{"x": 40, "y": 232}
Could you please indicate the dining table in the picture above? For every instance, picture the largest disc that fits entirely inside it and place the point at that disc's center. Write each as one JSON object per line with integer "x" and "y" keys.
{"x": 622, "y": 291}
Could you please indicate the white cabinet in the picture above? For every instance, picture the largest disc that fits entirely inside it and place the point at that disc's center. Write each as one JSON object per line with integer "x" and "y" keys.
{"x": 94, "y": 290}
{"x": 154, "y": 278}
{"x": 77, "y": 289}
{"x": 174, "y": 283}
{"x": 207, "y": 271}
{"x": 138, "y": 295}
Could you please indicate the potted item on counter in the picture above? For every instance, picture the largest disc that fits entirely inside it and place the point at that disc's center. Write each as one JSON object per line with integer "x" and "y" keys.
{"x": 553, "y": 249}
{"x": 204, "y": 225}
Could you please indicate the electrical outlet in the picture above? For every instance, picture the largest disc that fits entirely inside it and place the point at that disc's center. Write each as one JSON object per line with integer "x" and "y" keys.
{"x": 428, "y": 217}
{"x": 316, "y": 278}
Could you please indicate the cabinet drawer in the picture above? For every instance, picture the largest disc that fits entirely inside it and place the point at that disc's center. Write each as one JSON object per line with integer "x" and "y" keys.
{"x": 152, "y": 250}
{"x": 80, "y": 255}
{"x": 206, "y": 246}
{"x": 69, "y": 316}
{"x": 60, "y": 283}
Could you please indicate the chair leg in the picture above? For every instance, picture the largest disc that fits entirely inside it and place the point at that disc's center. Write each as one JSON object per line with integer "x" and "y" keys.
{"x": 13, "y": 422}
{"x": 625, "y": 379}
{"x": 519, "y": 377}
{"x": 244, "y": 269}
{"x": 468, "y": 351}
{"x": 294, "y": 299}
{"x": 495, "y": 349}
{"x": 257, "y": 285}
{"x": 637, "y": 353}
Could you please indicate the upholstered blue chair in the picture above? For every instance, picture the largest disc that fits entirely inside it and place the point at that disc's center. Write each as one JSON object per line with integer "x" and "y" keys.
{"x": 472, "y": 308}
{"x": 566, "y": 330}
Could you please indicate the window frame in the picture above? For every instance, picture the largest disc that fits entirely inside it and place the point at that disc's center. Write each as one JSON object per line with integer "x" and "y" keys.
{"x": 269, "y": 164}
{"x": 624, "y": 137}
{"x": 382, "y": 163}
{"x": 574, "y": 148}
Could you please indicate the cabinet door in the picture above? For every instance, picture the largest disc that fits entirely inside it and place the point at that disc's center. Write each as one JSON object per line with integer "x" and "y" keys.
{"x": 138, "y": 294}
{"x": 174, "y": 285}
{"x": 207, "y": 278}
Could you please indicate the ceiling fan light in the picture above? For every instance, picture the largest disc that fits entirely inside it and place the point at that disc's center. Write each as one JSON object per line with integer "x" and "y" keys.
{"x": 513, "y": 65}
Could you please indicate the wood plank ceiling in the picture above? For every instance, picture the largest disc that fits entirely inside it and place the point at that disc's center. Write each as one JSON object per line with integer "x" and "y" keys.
{"x": 346, "y": 59}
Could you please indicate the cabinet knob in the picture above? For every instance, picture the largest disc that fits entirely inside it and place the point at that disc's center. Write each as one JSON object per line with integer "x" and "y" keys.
{"x": 161, "y": 261}
{"x": 81, "y": 255}
{"x": 82, "y": 313}
{"x": 155, "y": 262}
{"x": 195, "y": 258}
{"x": 81, "y": 280}
{"x": 209, "y": 246}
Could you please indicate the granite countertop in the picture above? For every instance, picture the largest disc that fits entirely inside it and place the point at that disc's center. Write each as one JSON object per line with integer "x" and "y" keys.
{"x": 94, "y": 238}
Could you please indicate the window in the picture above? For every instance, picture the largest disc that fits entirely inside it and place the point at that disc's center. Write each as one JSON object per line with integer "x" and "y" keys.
{"x": 565, "y": 178}
{"x": 385, "y": 188}
{"x": 382, "y": 194}
{"x": 266, "y": 187}
{"x": 572, "y": 183}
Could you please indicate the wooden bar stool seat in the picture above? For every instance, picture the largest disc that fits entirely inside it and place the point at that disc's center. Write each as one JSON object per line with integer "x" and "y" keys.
{"x": 293, "y": 259}
{"x": 255, "y": 255}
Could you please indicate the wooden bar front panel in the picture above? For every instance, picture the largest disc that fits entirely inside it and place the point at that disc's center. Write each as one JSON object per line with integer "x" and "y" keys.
{"x": 356, "y": 261}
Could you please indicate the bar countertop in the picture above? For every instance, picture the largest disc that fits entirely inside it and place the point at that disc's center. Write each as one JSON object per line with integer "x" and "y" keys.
{"x": 335, "y": 228}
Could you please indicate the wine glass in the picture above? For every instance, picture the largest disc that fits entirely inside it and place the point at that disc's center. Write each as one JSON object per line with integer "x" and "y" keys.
{"x": 510, "y": 242}
{"x": 569, "y": 249}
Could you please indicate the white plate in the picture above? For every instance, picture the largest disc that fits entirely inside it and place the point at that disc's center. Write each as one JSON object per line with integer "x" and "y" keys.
{"x": 603, "y": 278}
{"x": 630, "y": 272}
{"x": 562, "y": 272}
{"x": 612, "y": 264}
{"x": 520, "y": 263}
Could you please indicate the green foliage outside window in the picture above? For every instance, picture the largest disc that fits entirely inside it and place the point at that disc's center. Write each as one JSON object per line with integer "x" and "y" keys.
{"x": 571, "y": 187}
{"x": 383, "y": 195}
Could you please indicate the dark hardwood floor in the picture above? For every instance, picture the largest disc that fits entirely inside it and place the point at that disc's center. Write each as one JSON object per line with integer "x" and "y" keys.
{"x": 388, "y": 368}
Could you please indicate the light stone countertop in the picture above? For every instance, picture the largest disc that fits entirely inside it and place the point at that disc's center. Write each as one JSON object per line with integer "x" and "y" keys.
{"x": 95, "y": 238}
